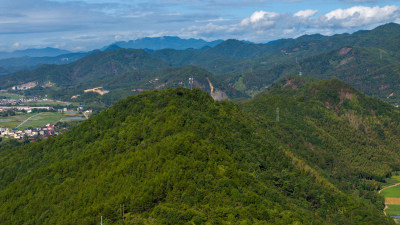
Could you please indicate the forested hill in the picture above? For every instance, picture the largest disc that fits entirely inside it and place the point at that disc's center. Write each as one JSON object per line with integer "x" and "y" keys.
{"x": 176, "y": 156}
{"x": 371, "y": 70}
{"x": 368, "y": 60}
{"x": 90, "y": 68}
{"x": 353, "y": 138}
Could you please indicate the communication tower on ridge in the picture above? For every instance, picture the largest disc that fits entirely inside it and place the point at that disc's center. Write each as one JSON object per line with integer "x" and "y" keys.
{"x": 191, "y": 80}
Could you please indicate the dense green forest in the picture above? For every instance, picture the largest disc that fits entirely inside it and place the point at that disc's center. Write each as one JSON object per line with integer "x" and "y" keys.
{"x": 176, "y": 156}
{"x": 347, "y": 134}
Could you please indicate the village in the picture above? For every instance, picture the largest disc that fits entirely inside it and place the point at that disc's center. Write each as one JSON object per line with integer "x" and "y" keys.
{"x": 19, "y": 127}
{"x": 42, "y": 132}
{"x": 7, "y": 101}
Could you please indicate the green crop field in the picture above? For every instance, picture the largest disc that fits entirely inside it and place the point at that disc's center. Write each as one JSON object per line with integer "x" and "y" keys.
{"x": 13, "y": 121}
{"x": 37, "y": 119}
{"x": 393, "y": 192}
{"x": 393, "y": 210}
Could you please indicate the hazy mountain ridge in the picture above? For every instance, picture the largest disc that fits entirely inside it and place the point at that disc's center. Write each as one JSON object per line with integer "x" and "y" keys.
{"x": 34, "y": 52}
{"x": 28, "y": 63}
{"x": 92, "y": 67}
{"x": 370, "y": 65}
{"x": 156, "y": 43}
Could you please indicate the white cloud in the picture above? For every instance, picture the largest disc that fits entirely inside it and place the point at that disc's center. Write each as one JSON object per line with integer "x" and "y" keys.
{"x": 306, "y": 13}
{"x": 264, "y": 26}
{"x": 260, "y": 19}
{"x": 361, "y": 15}
{"x": 93, "y": 24}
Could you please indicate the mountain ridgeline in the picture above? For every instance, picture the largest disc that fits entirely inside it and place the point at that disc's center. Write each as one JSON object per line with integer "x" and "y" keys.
{"x": 123, "y": 72}
{"x": 367, "y": 60}
{"x": 177, "y": 156}
{"x": 171, "y": 42}
{"x": 34, "y": 52}
{"x": 90, "y": 68}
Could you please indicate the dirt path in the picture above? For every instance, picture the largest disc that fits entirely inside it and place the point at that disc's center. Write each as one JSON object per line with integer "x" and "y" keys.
{"x": 27, "y": 119}
{"x": 393, "y": 185}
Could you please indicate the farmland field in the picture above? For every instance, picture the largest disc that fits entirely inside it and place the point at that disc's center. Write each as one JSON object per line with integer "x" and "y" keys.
{"x": 13, "y": 121}
{"x": 38, "y": 119}
{"x": 393, "y": 192}
{"x": 393, "y": 210}
{"x": 392, "y": 195}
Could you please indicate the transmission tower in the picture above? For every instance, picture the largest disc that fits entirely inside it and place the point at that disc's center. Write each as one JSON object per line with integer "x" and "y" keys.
{"x": 191, "y": 80}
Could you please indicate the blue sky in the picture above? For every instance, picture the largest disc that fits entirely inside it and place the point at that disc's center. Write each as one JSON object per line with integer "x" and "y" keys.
{"x": 80, "y": 25}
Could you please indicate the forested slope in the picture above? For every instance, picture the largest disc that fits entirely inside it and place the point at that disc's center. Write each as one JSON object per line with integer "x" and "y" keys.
{"x": 174, "y": 156}
{"x": 370, "y": 70}
{"x": 353, "y": 138}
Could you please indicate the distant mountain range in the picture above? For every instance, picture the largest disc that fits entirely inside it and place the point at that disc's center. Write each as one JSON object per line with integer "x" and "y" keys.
{"x": 29, "y": 63}
{"x": 32, "y": 58}
{"x": 34, "y": 52}
{"x": 368, "y": 60}
{"x": 172, "y": 42}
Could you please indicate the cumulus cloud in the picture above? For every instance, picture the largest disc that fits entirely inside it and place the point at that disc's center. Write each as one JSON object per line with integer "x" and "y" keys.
{"x": 361, "y": 15}
{"x": 263, "y": 26}
{"x": 260, "y": 19}
{"x": 306, "y": 13}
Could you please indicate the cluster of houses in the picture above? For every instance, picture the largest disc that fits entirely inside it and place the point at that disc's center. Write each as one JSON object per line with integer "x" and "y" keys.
{"x": 46, "y": 131}
{"x": 7, "y": 101}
